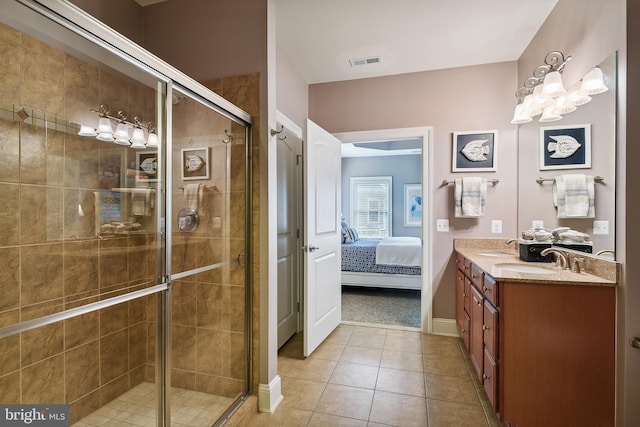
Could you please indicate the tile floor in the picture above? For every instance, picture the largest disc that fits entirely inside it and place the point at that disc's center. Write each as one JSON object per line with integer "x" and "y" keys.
{"x": 378, "y": 376}
{"x": 137, "y": 407}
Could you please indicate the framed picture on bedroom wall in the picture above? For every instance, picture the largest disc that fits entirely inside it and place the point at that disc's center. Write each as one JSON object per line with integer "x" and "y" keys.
{"x": 565, "y": 147}
{"x": 413, "y": 205}
{"x": 475, "y": 151}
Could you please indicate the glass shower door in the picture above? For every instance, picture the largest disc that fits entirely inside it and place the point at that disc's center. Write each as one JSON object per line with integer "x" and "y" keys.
{"x": 209, "y": 352}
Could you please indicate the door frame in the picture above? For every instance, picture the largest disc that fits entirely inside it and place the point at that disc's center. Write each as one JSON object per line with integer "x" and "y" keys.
{"x": 426, "y": 295}
{"x": 284, "y": 122}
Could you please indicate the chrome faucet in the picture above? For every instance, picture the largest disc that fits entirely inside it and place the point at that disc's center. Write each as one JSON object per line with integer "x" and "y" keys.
{"x": 576, "y": 264}
{"x": 559, "y": 257}
{"x": 511, "y": 241}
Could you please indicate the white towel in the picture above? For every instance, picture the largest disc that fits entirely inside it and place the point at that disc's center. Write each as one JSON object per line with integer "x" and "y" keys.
{"x": 141, "y": 201}
{"x": 470, "y": 197}
{"x": 574, "y": 196}
{"x": 192, "y": 196}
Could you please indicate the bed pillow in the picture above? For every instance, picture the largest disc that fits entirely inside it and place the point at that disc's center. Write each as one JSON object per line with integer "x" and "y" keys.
{"x": 352, "y": 235}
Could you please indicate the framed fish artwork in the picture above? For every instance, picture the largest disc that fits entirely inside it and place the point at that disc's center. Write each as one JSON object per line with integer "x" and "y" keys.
{"x": 475, "y": 151}
{"x": 565, "y": 147}
{"x": 146, "y": 166}
{"x": 195, "y": 163}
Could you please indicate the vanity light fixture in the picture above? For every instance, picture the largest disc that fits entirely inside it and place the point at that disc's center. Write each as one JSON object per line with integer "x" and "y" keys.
{"x": 545, "y": 93}
{"x": 104, "y": 131}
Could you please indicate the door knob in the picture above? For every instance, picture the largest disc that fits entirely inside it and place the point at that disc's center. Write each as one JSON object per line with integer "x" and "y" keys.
{"x": 309, "y": 248}
{"x": 634, "y": 342}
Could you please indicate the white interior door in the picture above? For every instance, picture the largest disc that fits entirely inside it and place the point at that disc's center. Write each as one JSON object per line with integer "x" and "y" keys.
{"x": 322, "y": 236}
{"x": 289, "y": 187}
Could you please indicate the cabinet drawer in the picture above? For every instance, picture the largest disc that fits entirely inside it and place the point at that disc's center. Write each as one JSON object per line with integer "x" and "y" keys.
{"x": 476, "y": 275}
{"x": 490, "y": 289}
{"x": 490, "y": 328}
{"x": 462, "y": 263}
{"x": 477, "y": 336}
{"x": 490, "y": 379}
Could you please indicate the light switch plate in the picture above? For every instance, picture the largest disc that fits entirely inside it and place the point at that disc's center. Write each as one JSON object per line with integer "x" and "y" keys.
{"x": 496, "y": 226}
{"x": 537, "y": 223}
{"x": 442, "y": 225}
{"x": 600, "y": 227}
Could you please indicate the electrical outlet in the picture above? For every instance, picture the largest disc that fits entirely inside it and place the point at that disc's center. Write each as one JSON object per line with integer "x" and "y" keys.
{"x": 442, "y": 225}
{"x": 537, "y": 223}
{"x": 496, "y": 226}
{"x": 600, "y": 227}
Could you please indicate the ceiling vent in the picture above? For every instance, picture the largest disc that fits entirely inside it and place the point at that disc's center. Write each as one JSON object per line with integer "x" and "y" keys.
{"x": 365, "y": 61}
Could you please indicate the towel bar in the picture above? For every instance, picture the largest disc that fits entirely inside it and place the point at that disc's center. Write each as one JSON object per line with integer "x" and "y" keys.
{"x": 444, "y": 182}
{"x": 596, "y": 179}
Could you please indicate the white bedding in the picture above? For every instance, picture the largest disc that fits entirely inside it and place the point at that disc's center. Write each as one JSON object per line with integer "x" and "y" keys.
{"x": 405, "y": 251}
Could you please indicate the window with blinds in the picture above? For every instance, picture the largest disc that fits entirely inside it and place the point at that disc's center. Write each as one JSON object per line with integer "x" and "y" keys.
{"x": 371, "y": 206}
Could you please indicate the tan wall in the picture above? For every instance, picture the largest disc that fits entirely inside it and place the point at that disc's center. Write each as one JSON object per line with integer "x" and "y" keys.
{"x": 458, "y": 99}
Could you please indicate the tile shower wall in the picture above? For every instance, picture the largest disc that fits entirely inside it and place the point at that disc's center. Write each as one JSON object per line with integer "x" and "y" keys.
{"x": 50, "y": 256}
{"x": 209, "y": 330}
{"x": 244, "y": 91}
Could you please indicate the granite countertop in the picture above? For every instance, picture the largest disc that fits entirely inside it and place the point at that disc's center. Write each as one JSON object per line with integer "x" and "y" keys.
{"x": 482, "y": 252}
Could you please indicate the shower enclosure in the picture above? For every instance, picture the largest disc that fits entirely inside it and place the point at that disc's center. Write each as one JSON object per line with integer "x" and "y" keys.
{"x": 124, "y": 194}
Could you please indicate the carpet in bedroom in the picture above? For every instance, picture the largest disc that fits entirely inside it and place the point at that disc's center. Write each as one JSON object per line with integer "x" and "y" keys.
{"x": 379, "y": 305}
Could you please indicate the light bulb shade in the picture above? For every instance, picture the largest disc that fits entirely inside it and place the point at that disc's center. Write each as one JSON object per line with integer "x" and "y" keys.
{"x": 539, "y": 99}
{"x": 137, "y": 140}
{"x": 122, "y": 134}
{"x": 87, "y": 131}
{"x": 520, "y": 115}
{"x": 152, "y": 140}
{"x": 550, "y": 114}
{"x": 564, "y": 105}
{"x": 530, "y": 106}
{"x": 552, "y": 85}
{"x": 593, "y": 82}
{"x": 105, "y": 130}
{"x": 578, "y": 98}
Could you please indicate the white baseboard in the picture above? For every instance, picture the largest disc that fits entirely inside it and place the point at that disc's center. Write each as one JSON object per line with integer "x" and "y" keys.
{"x": 445, "y": 327}
{"x": 270, "y": 395}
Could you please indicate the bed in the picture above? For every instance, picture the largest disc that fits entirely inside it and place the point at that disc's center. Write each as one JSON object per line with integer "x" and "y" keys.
{"x": 393, "y": 262}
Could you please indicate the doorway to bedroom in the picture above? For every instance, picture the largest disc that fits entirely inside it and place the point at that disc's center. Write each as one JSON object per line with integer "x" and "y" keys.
{"x": 383, "y": 205}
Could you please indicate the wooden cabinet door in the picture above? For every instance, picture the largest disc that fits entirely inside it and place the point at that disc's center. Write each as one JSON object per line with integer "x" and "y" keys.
{"x": 490, "y": 328}
{"x": 477, "y": 334}
{"x": 490, "y": 379}
{"x": 460, "y": 297}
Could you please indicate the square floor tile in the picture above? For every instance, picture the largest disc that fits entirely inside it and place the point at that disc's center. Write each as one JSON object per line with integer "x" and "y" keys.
{"x": 403, "y": 382}
{"x": 399, "y": 410}
{"x": 345, "y": 401}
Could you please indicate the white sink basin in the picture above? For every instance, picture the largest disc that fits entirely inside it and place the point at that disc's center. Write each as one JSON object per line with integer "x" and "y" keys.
{"x": 496, "y": 254}
{"x": 523, "y": 268}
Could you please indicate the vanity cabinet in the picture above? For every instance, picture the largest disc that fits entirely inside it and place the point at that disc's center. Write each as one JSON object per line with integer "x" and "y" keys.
{"x": 544, "y": 351}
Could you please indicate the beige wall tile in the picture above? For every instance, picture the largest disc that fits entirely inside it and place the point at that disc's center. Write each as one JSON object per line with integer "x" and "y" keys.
{"x": 183, "y": 347}
{"x": 208, "y": 352}
{"x": 42, "y": 76}
{"x": 81, "y": 370}
{"x": 41, "y": 273}
{"x": 137, "y": 345}
{"x": 41, "y": 215}
{"x": 210, "y": 306}
{"x": 11, "y": 53}
{"x": 9, "y": 392}
{"x": 113, "y": 389}
{"x": 79, "y": 214}
{"x": 81, "y": 162}
{"x": 84, "y": 406}
{"x": 80, "y": 267}
{"x": 183, "y": 379}
{"x": 9, "y": 214}
{"x": 113, "y": 262}
{"x": 41, "y": 343}
{"x": 183, "y": 297}
{"x": 81, "y": 329}
{"x": 44, "y": 381}
{"x": 9, "y": 149}
{"x": 9, "y": 278}
{"x": 9, "y": 356}
{"x": 114, "y": 357}
{"x": 115, "y": 318}
{"x": 81, "y": 91}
